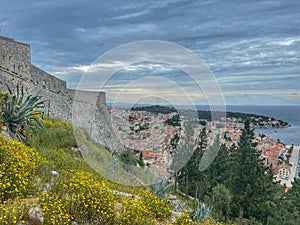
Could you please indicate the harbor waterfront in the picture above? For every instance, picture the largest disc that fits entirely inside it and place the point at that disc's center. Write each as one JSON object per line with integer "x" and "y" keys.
{"x": 287, "y": 113}
{"x": 281, "y": 154}
{"x": 289, "y": 135}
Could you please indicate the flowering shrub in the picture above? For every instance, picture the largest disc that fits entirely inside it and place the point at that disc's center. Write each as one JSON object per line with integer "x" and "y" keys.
{"x": 134, "y": 212}
{"x": 211, "y": 221}
{"x": 77, "y": 194}
{"x": 56, "y": 123}
{"x": 159, "y": 208}
{"x": 184, "y": 219}
{"x": 54, "y": 211}
{"x": 85, "y": 198}
{"x": 14, "y": 212}
{"x": 18, "y": 169}
{"x": 145, "y": 209}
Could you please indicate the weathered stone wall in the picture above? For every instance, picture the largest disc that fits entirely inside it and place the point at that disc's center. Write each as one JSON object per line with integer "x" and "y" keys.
{"x": 48, "y": 81}
{"x": 16, "y": 68}
{"x": 15, "y": 57}
{"x": 87, "y": 109}
{"x": 56, "y": 104}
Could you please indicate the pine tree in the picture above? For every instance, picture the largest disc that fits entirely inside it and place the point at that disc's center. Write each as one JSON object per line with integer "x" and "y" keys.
{"x": 219, "y": 170}
{"x": 182, "y": 151}
{"x": 221, "y": 200}
{"x": 294, "y": 197}
{"x": 191, "y": 180}
{"x": 287, "y": 209}
{"x": 195, "y": 159}
{"x": 251, "y": 181}
{"x": 178, "y": 166}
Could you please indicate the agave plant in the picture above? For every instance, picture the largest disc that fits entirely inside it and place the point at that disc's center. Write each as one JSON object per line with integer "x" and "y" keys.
{"x": 161, "y": 188}
{"x": 19, "y": 112}
{"x": 201, "y": 211}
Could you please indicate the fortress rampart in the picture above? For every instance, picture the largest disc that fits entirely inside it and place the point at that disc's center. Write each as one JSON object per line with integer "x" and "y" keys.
{"x": 16, "y": 68}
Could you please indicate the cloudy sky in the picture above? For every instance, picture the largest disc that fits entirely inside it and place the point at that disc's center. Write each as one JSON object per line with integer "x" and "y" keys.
{"x": 251, "y": 47}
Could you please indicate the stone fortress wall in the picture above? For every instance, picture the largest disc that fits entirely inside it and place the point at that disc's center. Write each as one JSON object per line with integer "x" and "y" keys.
{"x": 16, "y": 68}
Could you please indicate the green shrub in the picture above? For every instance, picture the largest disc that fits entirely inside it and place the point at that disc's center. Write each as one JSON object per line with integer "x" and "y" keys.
{"x": 19, "y": 166}
{"x": 134, "y": 212}
{"x": 184, "y": 219}
{"x": 86, "y": 199}
{"x": 159, "y": 208}
{"x": 56, "y": 134}
{"x": 145, "y": 209}
{"x": 2, "y": 96}
{"x": 54, "y": 211}
{"x": 14, "y": 211}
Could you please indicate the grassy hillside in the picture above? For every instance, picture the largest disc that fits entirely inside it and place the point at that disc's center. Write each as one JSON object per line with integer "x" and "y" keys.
{"x": 48, "y": 181}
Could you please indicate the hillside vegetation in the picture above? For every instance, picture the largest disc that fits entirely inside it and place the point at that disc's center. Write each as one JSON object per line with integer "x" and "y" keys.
{"x": 46, "y": 181}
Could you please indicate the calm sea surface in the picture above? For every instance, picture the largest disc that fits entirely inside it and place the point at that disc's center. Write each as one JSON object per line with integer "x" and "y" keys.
{"x": 290, "y": 114}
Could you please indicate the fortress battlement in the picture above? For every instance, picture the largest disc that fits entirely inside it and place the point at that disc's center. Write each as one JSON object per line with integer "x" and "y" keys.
{"x": 89, "y": 107}
{"x": 16, "y": 68}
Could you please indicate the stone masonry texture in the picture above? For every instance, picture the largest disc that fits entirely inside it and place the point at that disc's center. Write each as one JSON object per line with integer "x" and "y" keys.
{"x": 84, "y": 108}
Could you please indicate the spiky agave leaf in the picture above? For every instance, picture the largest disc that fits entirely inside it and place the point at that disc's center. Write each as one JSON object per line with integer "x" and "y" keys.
{"x": 201, "y": 211}
{"x": 161, "y": 187}
{"x": 18, "y": 113}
